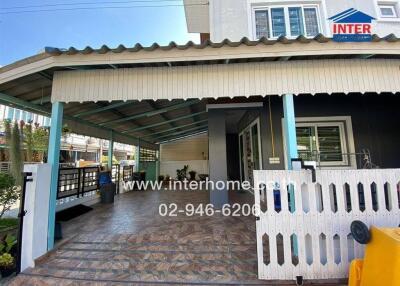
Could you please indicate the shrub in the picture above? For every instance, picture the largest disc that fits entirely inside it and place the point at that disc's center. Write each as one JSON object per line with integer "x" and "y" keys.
{"x": 6, "y": 260}
{"x": 9, "y": 193}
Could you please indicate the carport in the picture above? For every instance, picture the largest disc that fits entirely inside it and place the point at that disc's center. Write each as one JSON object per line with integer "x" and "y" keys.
{"x": 144, "y": 96}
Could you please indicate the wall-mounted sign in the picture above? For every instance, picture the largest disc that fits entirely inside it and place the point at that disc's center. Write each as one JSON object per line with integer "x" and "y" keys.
{"x": 352, "y": 26}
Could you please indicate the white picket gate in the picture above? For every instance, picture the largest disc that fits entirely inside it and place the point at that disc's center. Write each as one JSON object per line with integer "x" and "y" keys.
{"x": 319, "y": 221}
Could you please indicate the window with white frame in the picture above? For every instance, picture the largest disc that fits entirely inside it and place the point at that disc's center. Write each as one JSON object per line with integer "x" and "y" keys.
{"x": 387, "y": 10}
{"x": 324, "y": 142}
{"x": 289, "y": 21}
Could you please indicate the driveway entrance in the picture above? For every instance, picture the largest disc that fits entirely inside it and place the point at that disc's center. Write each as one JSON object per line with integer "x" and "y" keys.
{"x": 129, "y": 242}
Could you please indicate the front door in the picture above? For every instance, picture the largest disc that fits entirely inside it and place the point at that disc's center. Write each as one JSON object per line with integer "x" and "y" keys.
{"x": 250, "y": 151}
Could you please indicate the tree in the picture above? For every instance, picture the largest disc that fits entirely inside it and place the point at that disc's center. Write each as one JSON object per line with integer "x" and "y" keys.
{"x": 40, "y": 138}
{"x": 15, "y": 154}
{"x": 28, "y": 140}
{"x": 9, "y": 193}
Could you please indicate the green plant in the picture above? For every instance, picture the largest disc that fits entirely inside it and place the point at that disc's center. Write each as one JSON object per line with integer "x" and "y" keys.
{"x": 9, "y": 193}
{"x": 182, "y": 173}
{"x": 28, "y": 140}
{"x": 6, "y": 260}
{"x": 8, "y": 244}
{"x": 15, "y": 154}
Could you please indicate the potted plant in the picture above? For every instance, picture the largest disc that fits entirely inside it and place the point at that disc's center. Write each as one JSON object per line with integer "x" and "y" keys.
{"x": 7, "y": 265}
{"x": 161, "y": 178}
{"x": 192, "y": 175}
{"x": 167, "y": 178}
{"x": 181, "y": 174}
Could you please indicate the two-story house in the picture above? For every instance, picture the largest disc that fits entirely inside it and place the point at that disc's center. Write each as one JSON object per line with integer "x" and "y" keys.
{"x": 254, "y": 19}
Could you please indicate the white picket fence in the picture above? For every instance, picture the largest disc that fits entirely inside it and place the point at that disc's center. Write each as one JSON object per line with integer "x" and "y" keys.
{"x": 320, "y": 219}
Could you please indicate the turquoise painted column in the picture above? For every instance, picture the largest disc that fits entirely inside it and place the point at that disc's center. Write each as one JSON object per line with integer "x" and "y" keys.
{"x": 54, "y": 160}
{"x": 10, "y": 113}
{"x": 110, "y": 150}
{"x": 137, "y": 157}
{"x": 289, "y": 123}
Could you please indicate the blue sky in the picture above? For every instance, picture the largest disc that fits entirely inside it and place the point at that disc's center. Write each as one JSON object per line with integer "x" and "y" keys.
{"x": 23, "y": 35}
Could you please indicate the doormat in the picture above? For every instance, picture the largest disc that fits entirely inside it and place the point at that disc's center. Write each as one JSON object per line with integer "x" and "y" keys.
{"x": 68, "y": 214}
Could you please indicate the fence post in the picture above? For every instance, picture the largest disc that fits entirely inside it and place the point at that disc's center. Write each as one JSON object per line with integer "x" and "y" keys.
{"x": 79, "y": 183}
{"x": 83, "y": 181}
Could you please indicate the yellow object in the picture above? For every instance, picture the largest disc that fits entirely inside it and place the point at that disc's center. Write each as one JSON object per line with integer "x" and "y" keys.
{"x": 355, "y": 272}
{"x": 381, "y": 264}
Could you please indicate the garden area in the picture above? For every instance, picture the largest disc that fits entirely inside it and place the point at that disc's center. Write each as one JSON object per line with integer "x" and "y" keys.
{"x": 23, "y": 141}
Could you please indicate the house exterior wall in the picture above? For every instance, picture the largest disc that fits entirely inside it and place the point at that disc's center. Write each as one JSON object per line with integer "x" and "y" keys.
{"x": 233, "y": 19}
{"x": 374, "y": 120}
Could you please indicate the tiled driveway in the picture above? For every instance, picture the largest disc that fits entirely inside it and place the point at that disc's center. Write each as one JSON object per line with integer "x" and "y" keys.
{"x": 130, "y": 243}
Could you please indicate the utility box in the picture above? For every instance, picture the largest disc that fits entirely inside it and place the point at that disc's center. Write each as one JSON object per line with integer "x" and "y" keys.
{"x": 381, "y": 263}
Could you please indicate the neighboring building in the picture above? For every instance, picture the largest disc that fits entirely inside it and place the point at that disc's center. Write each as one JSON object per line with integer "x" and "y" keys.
{"x": 254, "y": 19}
{"x": 74, "y": 147}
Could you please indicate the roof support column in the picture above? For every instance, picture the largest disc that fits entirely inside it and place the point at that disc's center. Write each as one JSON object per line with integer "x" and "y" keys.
{"x": 110, "y": 151}
{"x": 289, "y": 123}
{"x": 54, "y": 160}
{"x": 217, "y": 156}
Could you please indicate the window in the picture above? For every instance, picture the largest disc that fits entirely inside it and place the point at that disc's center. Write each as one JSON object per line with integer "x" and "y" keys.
{"x": 147, "y": 155}
{"x": 262, "y": 23}
{"x": 388, "y": 11}
{"x": 278, "y": 22}
{"x": 323, "y": 142}
{"x": 290, "y": 21}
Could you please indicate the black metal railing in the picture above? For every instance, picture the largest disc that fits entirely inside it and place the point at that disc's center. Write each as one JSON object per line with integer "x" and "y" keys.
{"x": 115, "y": 176}
{"x": 77, "y": 181}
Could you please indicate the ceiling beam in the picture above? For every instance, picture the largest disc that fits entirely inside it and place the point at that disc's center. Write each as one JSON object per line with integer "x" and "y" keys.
{"x": 184, "y": 131}
{"x": 19, "y": 103}
{"x": 101, "y": 109}
{"x": 46, "y": 75}
{"x": 172, "y": 138}
{"x": 151, "y": 113}
{"x": 41, "y": 100}
{"x": 175, "y": 128}
{"x": 164, "y": 117}
{"x": 163, "y": 122}
{"x": 28, "y": 106}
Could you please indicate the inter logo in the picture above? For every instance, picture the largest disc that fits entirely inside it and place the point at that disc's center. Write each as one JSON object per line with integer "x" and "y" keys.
{"x": 352, "y": 26}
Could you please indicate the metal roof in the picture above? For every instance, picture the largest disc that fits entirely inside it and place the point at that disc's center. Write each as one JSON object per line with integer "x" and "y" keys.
{"x": 33, "y": 86}
{"x": 191, "y": 45}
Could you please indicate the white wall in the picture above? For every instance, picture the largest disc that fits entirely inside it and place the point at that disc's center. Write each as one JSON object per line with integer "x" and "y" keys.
{"x": 170, "y": 167}
{"x": 232, "y": 18}
{"x": 192, "y": 151}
